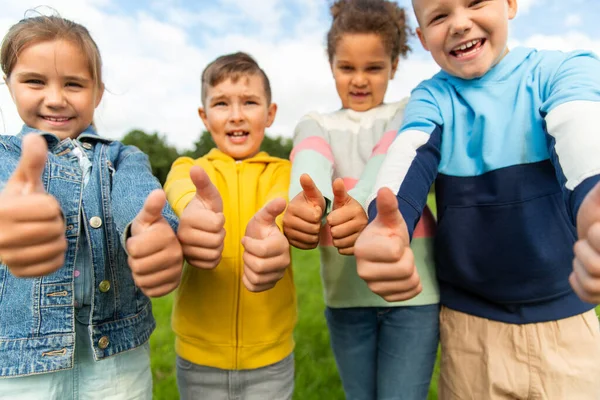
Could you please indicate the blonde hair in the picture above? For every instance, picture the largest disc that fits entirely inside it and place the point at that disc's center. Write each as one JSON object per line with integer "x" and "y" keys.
{"x": 42, "y": 28}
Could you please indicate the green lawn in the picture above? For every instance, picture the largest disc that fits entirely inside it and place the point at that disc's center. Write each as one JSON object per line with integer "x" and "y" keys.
{"x": 316, "y": 375}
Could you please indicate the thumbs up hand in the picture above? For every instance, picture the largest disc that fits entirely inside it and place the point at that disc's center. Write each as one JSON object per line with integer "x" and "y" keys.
{"x": 585, "y": 278}
{"x": 302, "y": 220}
{"x": 202, "y": 224}
{"x": 383, "y": 255}
{"x": 32, "y": 228}
{"x": 155, "y": 255}
{"x": 266, "y": 250}
{"x": 347, "y": 219}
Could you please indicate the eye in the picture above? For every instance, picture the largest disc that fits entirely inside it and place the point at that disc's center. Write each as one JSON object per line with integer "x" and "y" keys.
{"x": 346, "y": 67}
{"x": 476, "y": 2}
{"x": 437, "y": 18}
{"x": 34, "y": 82}
{"x": 375, "y": 68}
{"x": 251, "y": 102}
{"x": 74, "y": 84}
{"x": 219, "y": 104}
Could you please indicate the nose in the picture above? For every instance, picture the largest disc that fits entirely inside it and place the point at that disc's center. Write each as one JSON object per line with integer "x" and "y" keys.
{"x": 55, "y": 97}
{"x": 359, "y": 79}
{"x": 236, "y": 113}
{"x": 461, "y": 23}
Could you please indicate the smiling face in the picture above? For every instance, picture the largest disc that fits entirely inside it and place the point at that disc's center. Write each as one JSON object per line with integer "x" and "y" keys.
{"x": 466, "y": 38}
{"x": 53, "y": 89}
{"x": 362, "y": 69}
{"x": 237, "y": 114}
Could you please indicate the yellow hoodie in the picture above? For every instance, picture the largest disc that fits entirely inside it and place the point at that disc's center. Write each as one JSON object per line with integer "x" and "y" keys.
{"x": 217, "y": 321}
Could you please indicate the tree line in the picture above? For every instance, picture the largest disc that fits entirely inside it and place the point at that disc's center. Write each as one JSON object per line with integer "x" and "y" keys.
{"x": 162, "y": 155}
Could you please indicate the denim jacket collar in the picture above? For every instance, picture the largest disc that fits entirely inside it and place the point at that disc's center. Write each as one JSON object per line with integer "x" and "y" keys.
{"x": 89, "y": 134}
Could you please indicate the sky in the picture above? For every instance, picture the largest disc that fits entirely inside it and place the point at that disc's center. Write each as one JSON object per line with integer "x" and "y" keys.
{"x": 155, "y": 50}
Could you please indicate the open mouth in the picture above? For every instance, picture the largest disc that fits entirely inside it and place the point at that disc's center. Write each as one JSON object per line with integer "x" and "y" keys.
{"x": 56, "y": 121}
{"x": 468, "y": 48}
{"x": 359, "y": 94}
{"x": 238, "y": 136}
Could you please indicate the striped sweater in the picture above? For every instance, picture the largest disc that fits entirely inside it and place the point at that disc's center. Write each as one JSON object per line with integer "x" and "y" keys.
{"x": 352, "y": 145}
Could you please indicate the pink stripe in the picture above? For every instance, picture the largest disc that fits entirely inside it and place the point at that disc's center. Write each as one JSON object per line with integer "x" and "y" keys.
{"x": 325, "y": 238}
{"x": 315, "y": 143}
{"x": 426, "y": 227}
{"x": 349, "y": 183}
{"x": 384, "y": 143}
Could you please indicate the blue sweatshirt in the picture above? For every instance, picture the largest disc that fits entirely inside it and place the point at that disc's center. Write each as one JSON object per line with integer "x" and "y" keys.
{"x": 512, "y": 154}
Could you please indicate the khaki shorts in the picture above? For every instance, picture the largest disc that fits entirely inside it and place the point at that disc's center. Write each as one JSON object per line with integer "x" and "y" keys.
{"x": 484, "y": 359}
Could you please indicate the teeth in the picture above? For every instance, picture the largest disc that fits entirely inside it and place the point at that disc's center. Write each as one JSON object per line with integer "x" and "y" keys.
{"x": 237, "y": 133}
{"x": 63, "y": 119}
{"x": 467, "y": 45}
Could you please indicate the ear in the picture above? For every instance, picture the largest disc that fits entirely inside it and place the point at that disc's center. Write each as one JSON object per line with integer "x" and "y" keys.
{"x": 271, "y": 111}
{"x": 512, "y": 8}
{"x": 99, "y": 95}
{"x": 422, "y": 38}
{"x": 202, "y": 114}
{"x": 394, "y": 68}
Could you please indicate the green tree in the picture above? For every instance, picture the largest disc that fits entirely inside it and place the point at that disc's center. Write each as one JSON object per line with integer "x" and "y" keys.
{"x": 155, "y": 146}
{"x": 201, "y": 146}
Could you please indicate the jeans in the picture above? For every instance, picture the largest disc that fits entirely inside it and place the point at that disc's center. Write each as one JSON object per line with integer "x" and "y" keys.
{"x": 385, "y": 353}
{"x": 273, "y": 382}
{"x": 125, "y": 376}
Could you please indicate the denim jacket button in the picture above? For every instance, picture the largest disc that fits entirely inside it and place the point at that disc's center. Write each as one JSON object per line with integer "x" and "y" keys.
{"x": 103, "y": 342}
{"x": 104, "y": 286}
{"x": 87, "y": 146}
{"x": 95, "y": 222}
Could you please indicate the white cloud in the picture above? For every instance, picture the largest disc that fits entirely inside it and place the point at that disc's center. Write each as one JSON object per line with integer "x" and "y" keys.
{"x": 573, "y": 20}
{"x": 526, "y": 5}
{"x": 152, "y": 68}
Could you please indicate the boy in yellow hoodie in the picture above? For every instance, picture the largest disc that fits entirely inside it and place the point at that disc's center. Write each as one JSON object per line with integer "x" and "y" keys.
{"x": 235, "y": 310}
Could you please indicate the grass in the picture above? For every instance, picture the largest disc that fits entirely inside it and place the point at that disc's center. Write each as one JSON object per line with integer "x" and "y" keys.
{"x": 316, "y": 374}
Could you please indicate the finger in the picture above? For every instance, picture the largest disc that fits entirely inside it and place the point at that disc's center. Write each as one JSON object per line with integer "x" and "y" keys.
{"x": 27, "y": 177}
{"x": 151, "y": 241}
{"x": 269, "y": 212}
{"x": 167, "y": 273}
{"x": 206, "y": 192}
{"x": 345, "y": 242}
{"x": 387, "y": 209}
{"x": 23, "y": 257}
{"x": 40, "y": 269}
{"x": 36, "y": 207}
{"x": 270, "y": 246}
{"x": 384, "y": 271}
{"x": 402, "y": 296}
{"x": 151, "y": 212}
{"x": 203, "y": 256}
{"x": 589, "y": 212}
{"x": 304, "y": 245}
{"x": 347, "y": 229}
{"x": 378, "y": 249}
{"x": 311, "y": 192}
{"x": 577, "y": 279}
{"x": 161, "y": 290}
{"x": 31, "y": 234}
{"x": 588, "y": 258}
{"x": 201, "y": 264}
{"x": 340, "y": 195}
{"x": 256, "y": 288}
{"x": 203, "y": 220}
{"x": 159, "y": 261}
{"x": 346, "y": 251}
{"x": 197, "y": 238}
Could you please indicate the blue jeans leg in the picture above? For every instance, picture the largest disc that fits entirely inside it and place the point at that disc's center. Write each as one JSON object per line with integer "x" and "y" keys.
{"x": 385, "y": 353}
{"x": 408, "y": 342}
{"x": 353, "y": 336}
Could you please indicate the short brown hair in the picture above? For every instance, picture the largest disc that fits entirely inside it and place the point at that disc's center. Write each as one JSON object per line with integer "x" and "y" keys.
{"x": 232, "y": 66}
{"x": 42, "y": 28}
{"x": 382, "y": 17}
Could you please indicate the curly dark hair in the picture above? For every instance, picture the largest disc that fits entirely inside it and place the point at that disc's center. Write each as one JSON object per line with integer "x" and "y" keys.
{"x": 382, "y": 17}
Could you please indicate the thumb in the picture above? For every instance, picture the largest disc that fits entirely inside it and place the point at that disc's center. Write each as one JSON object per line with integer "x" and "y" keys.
{"x": 151, "y": 212}
{"x": 387, "y": 209}
{"x": 311, "y": 192}
{"x": 265, "y": 217}
{"x": 340, "y": 195}
{"x": 589, "y": 212}
{"x": 27, "y": 177}
{"x": 206, "y": 192}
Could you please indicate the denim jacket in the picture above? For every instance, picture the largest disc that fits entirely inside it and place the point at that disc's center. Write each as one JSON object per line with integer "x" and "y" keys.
{"x": 37, "y": 315}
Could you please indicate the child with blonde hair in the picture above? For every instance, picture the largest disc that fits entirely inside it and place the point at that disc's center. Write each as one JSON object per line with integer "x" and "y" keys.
{"x": 85, "y": 232}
